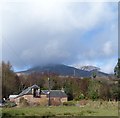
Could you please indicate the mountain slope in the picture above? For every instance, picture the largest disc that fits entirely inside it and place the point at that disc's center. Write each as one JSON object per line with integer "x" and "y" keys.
{"x": 64, "y": 70}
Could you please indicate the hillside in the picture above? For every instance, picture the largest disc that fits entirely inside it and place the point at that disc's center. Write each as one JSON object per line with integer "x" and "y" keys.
{"x": 64, "y": 70}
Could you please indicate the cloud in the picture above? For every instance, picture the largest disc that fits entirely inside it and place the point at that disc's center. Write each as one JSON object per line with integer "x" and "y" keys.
{"x": 107, "y": 48}
{"x": 37, "y": 33}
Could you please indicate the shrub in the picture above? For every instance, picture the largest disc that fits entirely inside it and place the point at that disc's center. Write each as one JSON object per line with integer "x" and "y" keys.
{"x": 94, "y": 95}
{"x": 69, "y": 103}
{"x": 76, "y": 98}
{"x": 9, "y": 104}
{"x": 81, "y": 96}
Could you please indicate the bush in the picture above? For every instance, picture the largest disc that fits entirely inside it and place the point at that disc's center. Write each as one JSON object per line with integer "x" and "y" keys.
{"x": 10, "y": 104}
{"x": 94, "y": 96}
{"x": 81, "y": 97}
{"x": 69, "y": 103}
{"x": 76, "y": 98}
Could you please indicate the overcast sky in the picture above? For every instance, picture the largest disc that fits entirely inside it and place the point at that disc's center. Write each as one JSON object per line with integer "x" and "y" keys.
{"x": 72, "y": 33}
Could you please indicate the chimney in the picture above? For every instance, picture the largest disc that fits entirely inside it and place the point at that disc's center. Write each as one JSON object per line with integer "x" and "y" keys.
{"x": 62, "y": 89}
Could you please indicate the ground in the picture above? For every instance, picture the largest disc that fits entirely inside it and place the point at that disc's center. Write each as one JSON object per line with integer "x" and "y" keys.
{"x": 93, "y": 108}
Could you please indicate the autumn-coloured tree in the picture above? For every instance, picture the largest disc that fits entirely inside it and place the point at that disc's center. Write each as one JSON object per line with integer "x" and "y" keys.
{"x": 10, "y": 81}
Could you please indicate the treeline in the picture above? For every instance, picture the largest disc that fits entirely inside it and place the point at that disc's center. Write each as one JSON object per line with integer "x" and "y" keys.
{"x": 10, "y": 81}
{"x": 75, "y": 88}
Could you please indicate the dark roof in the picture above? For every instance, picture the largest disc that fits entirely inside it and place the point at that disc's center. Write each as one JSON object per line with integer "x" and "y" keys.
{"x": 55, "y": 93}
{"x": 28, "y": 90}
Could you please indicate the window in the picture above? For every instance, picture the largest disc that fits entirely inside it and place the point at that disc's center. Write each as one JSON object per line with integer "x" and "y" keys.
{"x": 36, "y": 92}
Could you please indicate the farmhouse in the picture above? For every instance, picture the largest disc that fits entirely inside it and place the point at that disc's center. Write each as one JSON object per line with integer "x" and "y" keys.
{"x": 34, "y": 95}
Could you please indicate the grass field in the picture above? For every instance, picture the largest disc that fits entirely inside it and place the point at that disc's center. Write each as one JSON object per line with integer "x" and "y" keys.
{"x": 90, "y": 109}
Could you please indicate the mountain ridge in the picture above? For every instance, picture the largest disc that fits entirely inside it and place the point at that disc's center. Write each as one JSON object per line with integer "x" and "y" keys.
{"x": 63, "y": 70}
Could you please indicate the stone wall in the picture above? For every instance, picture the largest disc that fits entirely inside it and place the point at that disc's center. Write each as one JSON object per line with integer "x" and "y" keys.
{"x": 64, "y": 99}
{"x": 42, "y": 100}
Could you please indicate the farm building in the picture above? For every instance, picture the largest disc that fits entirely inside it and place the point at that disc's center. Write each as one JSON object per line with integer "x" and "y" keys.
{"x": 34, "y": 95}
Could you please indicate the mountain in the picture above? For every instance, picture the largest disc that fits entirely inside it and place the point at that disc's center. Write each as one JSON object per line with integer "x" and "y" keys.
{"x": 89, "y": 68}
{"x": 64, "y": 70}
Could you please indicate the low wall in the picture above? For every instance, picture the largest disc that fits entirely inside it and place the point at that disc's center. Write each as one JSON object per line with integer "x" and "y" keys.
{"x": 42, "y": 100}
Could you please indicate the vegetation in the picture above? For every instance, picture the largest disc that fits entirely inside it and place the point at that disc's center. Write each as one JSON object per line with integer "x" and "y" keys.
{"x": 92, "y": 108}
{"x": 76, "y": 88}
{"x": 10, "y": 81}
{"x": 9, "y": 104}
{"x": 90, "y": 96}
{"x": 117, "y": 69}
{"x": 69, "y": 103}
{"x": 117, "y": 74}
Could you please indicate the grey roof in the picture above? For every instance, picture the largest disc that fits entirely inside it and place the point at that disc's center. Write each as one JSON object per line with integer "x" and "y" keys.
{"x": 28, "y": 90}
{"x": 55, "y": 93}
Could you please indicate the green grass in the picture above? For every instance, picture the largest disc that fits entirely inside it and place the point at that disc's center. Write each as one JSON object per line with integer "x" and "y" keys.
{"x": 91, "y": 109}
